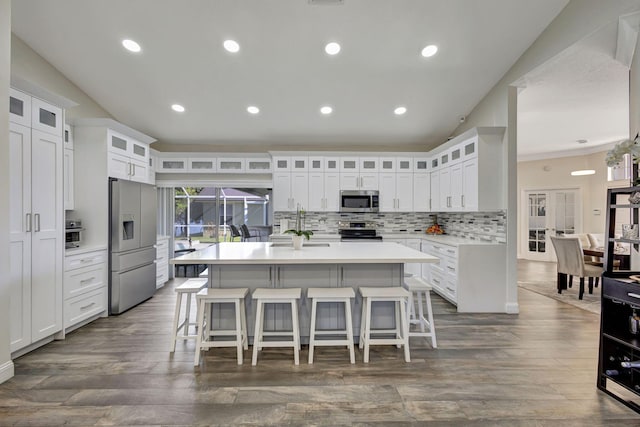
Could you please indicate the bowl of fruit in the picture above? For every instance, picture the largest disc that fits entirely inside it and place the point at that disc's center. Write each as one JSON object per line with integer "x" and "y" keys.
{"x": 435, "y": 229}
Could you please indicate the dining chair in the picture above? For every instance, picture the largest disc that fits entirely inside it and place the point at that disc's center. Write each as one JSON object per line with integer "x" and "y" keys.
{"x": 235, "y": 232}
{"x": 571, "y": 262}
{"x": 246, "y": 234}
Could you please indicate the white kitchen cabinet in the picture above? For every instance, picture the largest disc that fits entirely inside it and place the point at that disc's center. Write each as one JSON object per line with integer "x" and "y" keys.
{"x": 358, "y": 181}
{"x": 202, "y": 164}
{"x": 85, "y": 287}
{"x": 434, "y": 193}
{"x": 68, "y": 137}
{"x": 404, "y": 164}
{"x": 324, "y": 193}
{"x": 258, "y": 165}
{"x": 68, "y": 179}
{"x": 172, "y": 165}
{"x": 231, "y": 165}
{"x": 290, "y": 190}
{"x": 127, "y": 158}
{"x": 151, "y": 170}
{"x": 46, "y": 117}
{"x": 396, "y": 192}
{"x": 472, "y": 181}
{"x": 162, "y": 261}
{"x": 421, "y": 165}
{"x": 19, "y": 108}
{"x": 421, "y": 192}
{"x": 36, "y": 229}
{"x": 461, "y": 276}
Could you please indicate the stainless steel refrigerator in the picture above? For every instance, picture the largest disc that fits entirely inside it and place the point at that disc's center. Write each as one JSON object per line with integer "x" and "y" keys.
{"x": 132, "y": 230}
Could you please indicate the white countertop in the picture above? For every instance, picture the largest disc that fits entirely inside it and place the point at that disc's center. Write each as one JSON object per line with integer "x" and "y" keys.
{"x": 445, "y": 239}
{"x": 318, "y": 253}
{"x": 84, "y": 249}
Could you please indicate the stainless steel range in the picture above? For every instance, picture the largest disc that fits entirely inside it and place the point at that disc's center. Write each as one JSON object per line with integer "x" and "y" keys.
{"x": 353, "y": 231}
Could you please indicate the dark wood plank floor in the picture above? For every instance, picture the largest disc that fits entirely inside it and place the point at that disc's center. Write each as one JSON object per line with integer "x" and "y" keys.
{"x": 537, "y": 368}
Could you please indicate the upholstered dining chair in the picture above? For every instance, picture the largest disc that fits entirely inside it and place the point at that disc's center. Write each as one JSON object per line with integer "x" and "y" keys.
{"x": 571, "y": 262}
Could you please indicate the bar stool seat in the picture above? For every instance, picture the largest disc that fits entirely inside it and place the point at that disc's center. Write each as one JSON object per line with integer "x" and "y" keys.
{"x": 276, "y": 296}
{"x": 208, "y": 296}
{"x": 188, "y": 288}
{"x": 399, "y": 296}
{"x": 331, "y": 295}
{"x": 419, "y": 287}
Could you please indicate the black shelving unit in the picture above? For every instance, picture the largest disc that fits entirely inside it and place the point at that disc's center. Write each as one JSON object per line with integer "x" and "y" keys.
{"x": 620, "y": 300}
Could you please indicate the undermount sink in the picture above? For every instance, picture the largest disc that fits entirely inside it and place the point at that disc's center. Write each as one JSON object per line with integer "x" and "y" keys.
{"x": 290, "y": 245}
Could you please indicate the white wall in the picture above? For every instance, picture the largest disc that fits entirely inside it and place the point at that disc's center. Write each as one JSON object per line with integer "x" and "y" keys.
{"x": 555, "y": 173}
{"x": 28, "y": 65}
{"x": 6, "y": 365}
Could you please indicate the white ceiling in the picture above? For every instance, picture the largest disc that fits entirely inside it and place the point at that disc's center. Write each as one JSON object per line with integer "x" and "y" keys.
{"x": 582, "y": 94}
{"x": 282, "y": 67}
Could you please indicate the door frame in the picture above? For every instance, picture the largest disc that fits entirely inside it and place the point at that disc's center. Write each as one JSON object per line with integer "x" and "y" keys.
{"x": 524, "y": 216}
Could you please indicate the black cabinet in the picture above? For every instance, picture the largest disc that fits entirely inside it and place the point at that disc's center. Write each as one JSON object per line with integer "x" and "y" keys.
{"x": 620, "y": 306}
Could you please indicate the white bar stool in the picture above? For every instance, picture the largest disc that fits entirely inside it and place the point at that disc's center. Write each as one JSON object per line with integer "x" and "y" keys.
{"x": 276, "y": 296}
{"x": 208, "y": 296}
{"x": 189, "y": 287}
{"x": 339, "y": 295}
{"x": 399, "y": 296}
{"x": 418, "y": 286}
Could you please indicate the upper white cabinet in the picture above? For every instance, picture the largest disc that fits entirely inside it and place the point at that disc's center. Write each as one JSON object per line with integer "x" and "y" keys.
{"x": 471, "y": 173}
{"x": 202, "y": 164}
{"x": 231, "y": 165}
{"x": 128, "y": 158}
{"x": 324, "y": 191}
{"x": 359, "y": 173}
{"x": 289, "y": 164}
{"x": 421, "y": 192}
{"x": 396, "y": 192}
{"x": 174, "y": 165}
{"x": 68, "y": 169}
{"x": 258, "y": 165}
{"x": 290, "y": 190}
{"x": 46, "y": 117}
{"x": 36, "y": 223}
{"x": 421, "y": 165}
{"x": 19, "y": 108}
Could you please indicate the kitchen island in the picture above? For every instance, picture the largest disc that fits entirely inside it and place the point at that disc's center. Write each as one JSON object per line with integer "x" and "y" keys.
{"x": 317, "y": 264}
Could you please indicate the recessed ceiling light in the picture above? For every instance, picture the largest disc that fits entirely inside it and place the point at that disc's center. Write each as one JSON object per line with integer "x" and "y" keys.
{"x": 231, "y": 46}
{"x": 131, "y": 46}
{"x": 326, "y": 110}
{"x": 583, "y": 172}
{"x": 581, "y": 141}
{"x": 429, "y": 50}
{"x": 332, "y": 48}
{"x": 178, "y": 108}
{"x": 252, "y": 109}
{"x": 400, "y": 111}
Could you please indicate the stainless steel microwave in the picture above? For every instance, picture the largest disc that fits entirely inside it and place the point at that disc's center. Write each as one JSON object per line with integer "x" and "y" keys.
{"x": 359, "y": 201}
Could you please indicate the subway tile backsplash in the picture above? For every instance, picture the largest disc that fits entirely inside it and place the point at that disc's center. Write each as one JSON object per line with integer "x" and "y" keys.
{"x": 485, "y": 226}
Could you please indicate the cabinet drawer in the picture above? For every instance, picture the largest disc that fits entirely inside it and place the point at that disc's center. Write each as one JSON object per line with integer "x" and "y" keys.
{"x": 437, "y": 281}
{"x": 450, "y": 266}
{"x": 83, "y": 307}
{"x": 71, "y": 262}
{"x": 83, "y": 280}
{"x": 450, "y": 289}
{"x": 621, "y": 291}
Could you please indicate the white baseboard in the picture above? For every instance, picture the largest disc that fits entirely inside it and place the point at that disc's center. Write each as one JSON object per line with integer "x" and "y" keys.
{"x": 512, "y": 308}
{"x": 6, "y": 371}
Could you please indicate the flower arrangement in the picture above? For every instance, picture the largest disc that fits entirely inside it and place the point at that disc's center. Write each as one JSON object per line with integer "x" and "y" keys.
{"x": 627, "y": 146}
{"x": 299, "y": 230}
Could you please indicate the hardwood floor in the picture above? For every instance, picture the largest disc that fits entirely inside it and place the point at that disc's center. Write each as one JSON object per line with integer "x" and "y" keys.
{"x": 537, "y": 368}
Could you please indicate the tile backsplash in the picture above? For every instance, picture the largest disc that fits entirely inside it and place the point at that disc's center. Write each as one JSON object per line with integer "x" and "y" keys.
{"x": 486, "y": 226}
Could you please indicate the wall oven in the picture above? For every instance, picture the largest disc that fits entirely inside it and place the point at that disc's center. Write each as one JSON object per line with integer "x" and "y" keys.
{"x": 359, "y": 201}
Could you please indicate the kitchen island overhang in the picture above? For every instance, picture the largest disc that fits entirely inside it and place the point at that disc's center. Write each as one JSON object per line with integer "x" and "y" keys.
{"x": 277, "y": 265}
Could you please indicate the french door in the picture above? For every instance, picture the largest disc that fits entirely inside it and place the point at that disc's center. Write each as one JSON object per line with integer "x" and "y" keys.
{"x": 548, "y": 213}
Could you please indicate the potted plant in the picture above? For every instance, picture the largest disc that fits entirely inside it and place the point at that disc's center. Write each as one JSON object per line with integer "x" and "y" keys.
{"x": 299, "y": 233}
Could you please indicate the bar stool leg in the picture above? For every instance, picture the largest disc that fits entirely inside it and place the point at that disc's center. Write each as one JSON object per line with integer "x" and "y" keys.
{"x": 296, "y": 332}
{"x": 349, "y": 325}
{"x": 363, "y": 322}
{"x": 200, "y": 321}
{"x": 405, "y": 332}
{"x": 396, "y": 310}
{"x": 257, "y": 333}
{"x": 312, "y": 330}
{"x": 238, "y": 332}
{"x": 176, "y": 322}
{"x": 367, "y": 330}
{"x": 420, "y": 312}
{"x": 185, "y": 329}
{"x": 432, "y": 327}
{"x": 243, "y": 326}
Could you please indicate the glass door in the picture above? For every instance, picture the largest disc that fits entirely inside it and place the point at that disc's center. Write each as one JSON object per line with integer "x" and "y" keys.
{"x": 548, "y": 213}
